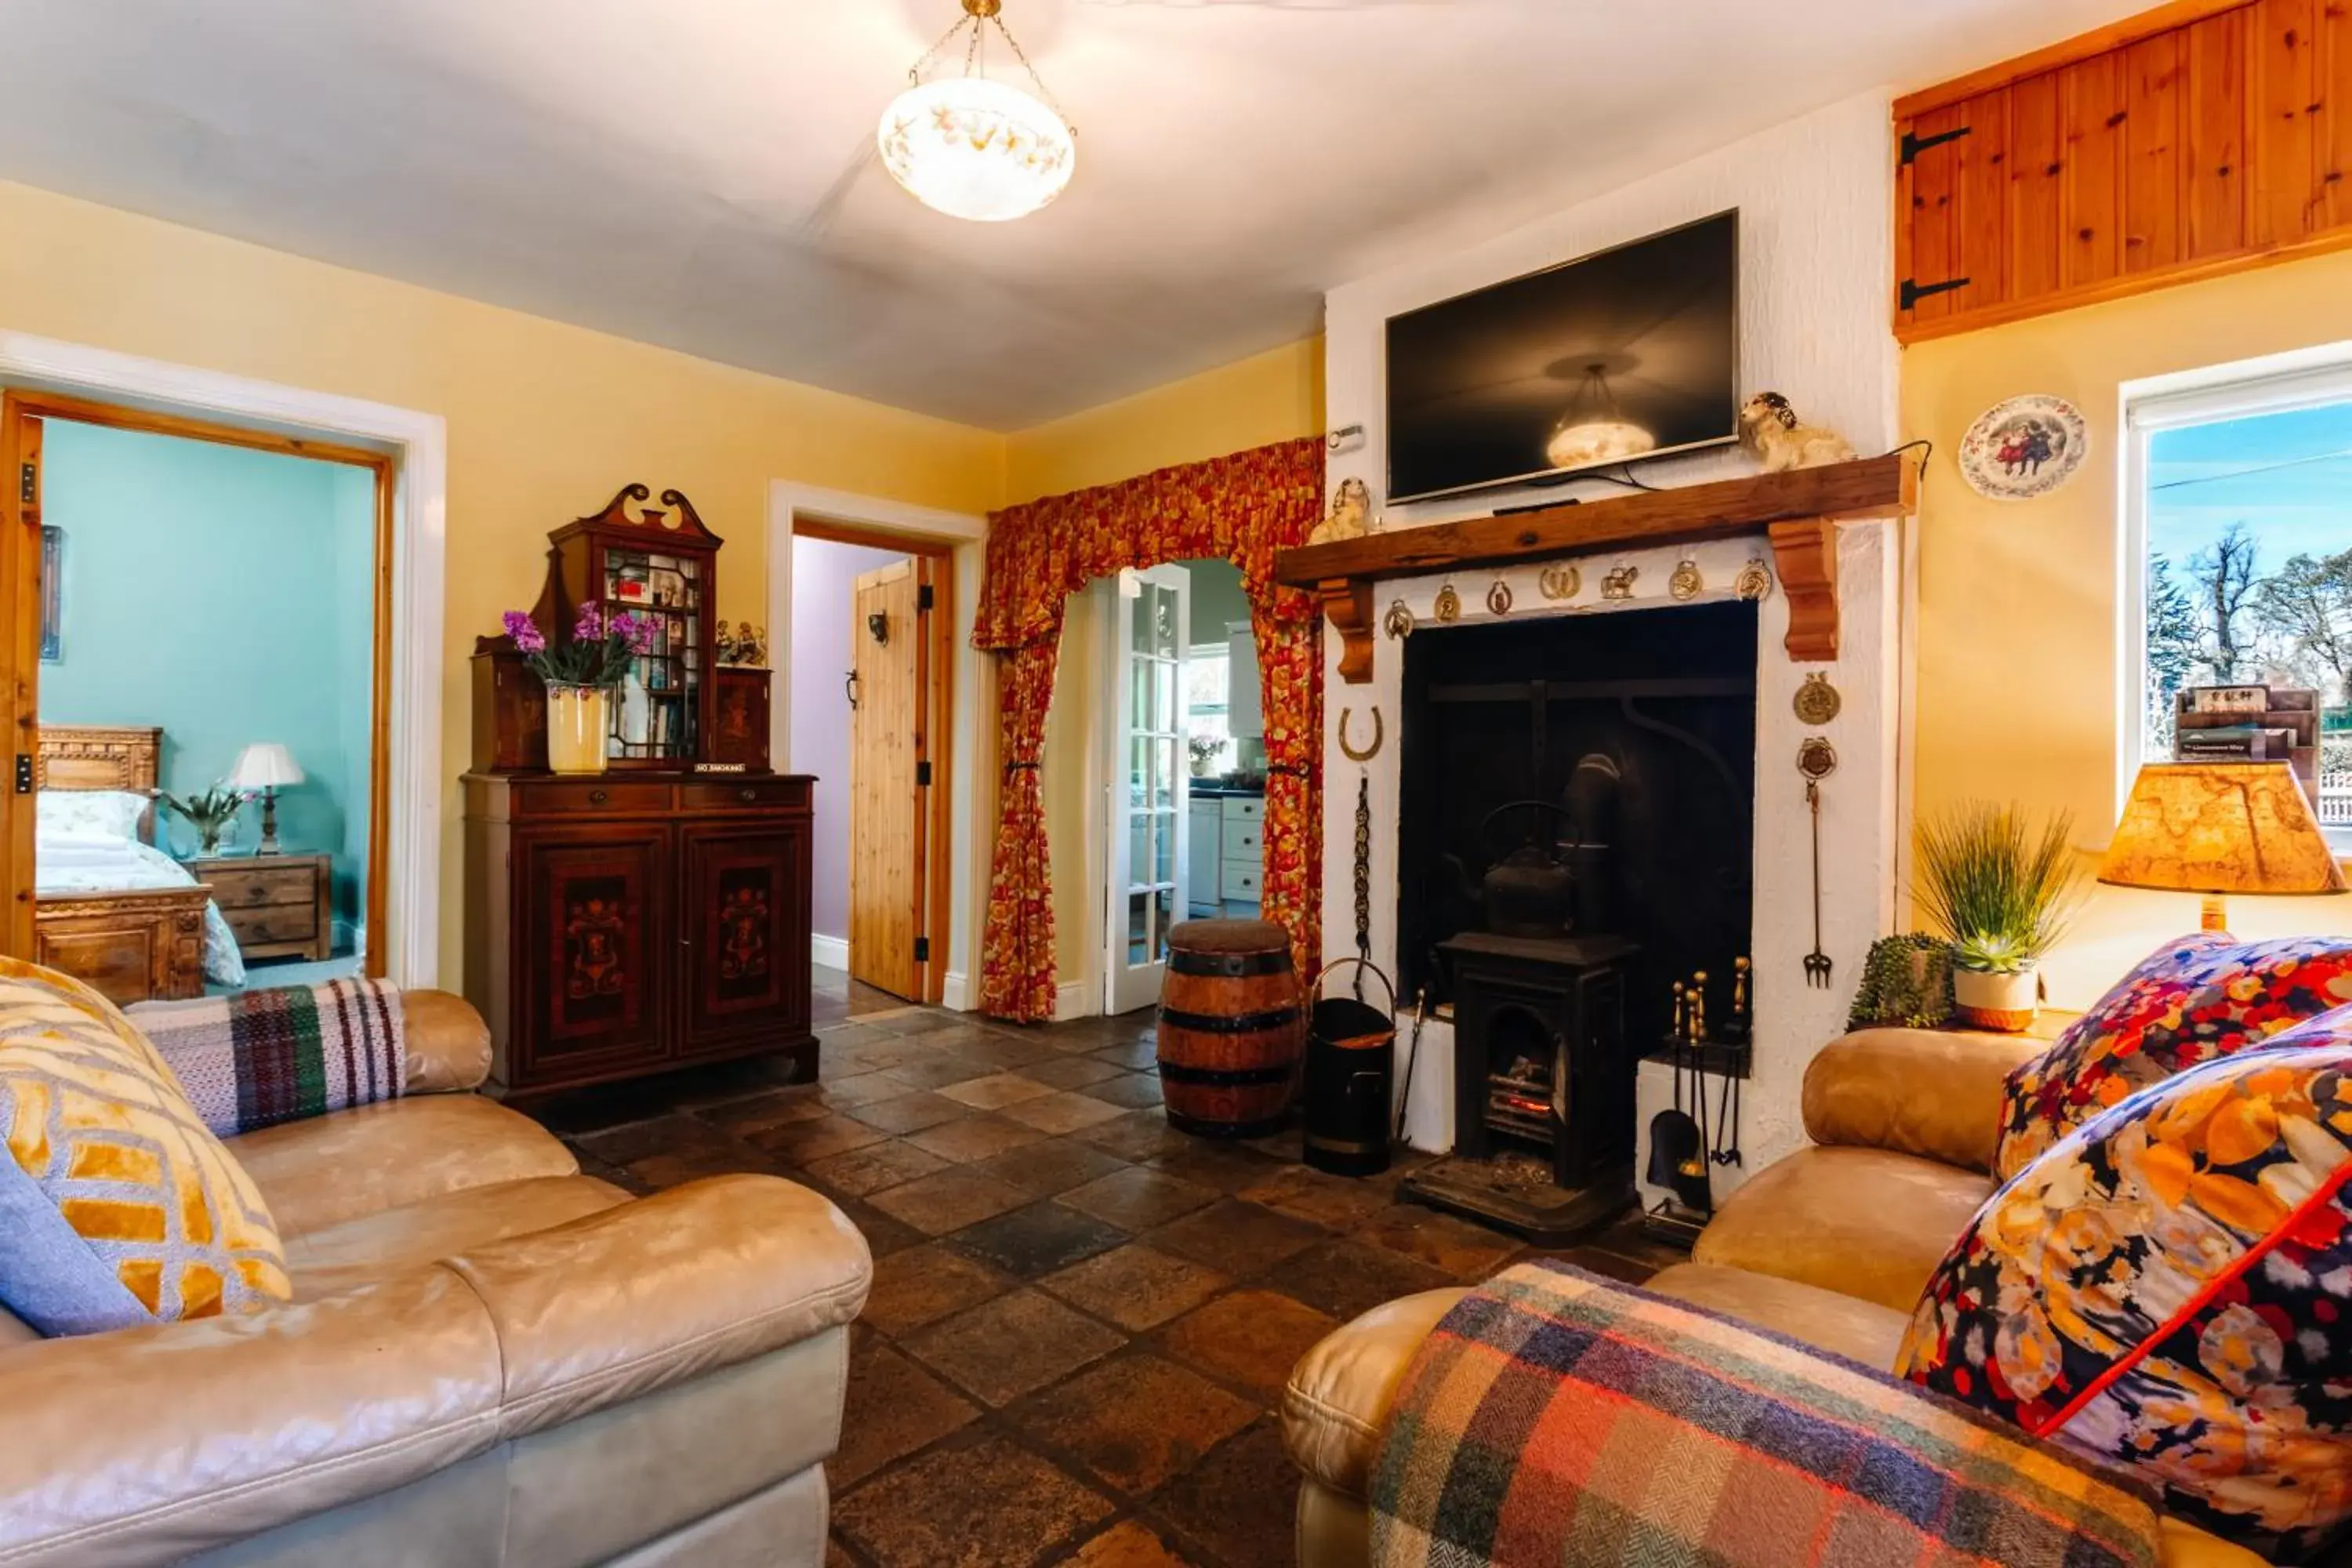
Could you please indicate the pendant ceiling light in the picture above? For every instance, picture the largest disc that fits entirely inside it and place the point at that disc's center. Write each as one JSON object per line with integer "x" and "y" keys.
{"x": 1594, "y": 430}
{"x": 972, "y": 147}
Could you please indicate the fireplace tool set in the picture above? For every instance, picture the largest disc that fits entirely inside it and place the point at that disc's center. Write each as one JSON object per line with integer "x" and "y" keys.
{"x": 1684, "y": 1145}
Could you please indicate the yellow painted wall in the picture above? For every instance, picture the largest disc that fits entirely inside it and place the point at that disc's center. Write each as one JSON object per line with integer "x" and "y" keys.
{"x": 1273, "y": 396}
{"x": 2018, "y": 689}
{"x": 546, "y": 421}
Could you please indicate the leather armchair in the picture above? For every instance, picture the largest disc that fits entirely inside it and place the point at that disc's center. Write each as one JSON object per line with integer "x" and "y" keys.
{"x": 491, "y": 1359}
{"x": 1830, "y": 1247}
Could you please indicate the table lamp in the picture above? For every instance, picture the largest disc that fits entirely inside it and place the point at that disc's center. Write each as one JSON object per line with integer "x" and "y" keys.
{"x": 2218, "y": 828}
{"x": 267, "y": 767}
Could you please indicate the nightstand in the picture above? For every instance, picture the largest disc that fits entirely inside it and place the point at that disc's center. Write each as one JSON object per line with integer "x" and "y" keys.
{"x": 279, "y": 906}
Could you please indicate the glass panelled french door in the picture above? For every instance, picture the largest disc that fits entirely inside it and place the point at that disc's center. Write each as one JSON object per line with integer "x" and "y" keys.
{"x": 1148, "y": 776}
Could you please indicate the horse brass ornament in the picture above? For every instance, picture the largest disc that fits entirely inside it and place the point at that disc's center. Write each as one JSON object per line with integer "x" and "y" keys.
{"x": 1499, "y": 597}
{"x": 1686, "y": 584}
{"x": 1397, "y": 622}
{"x": 1448, "y": 608}
{"x": 1618, "y": 583}
{"x": 1816, "y": 702}
{"x": 1754, "y": 582}
{"x": 1559, "y": 583}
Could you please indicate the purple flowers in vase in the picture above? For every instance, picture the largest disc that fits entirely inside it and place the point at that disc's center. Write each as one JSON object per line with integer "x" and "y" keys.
{"x": 597, "y": 653}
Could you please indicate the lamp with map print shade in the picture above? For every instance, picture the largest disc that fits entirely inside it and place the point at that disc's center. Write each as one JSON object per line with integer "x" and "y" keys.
{"x": 266, "y": 767}
{"x": 2219, "y": 828}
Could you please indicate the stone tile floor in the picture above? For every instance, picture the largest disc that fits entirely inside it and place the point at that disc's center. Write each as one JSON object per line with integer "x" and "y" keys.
{"x": 1081, "y": 1321}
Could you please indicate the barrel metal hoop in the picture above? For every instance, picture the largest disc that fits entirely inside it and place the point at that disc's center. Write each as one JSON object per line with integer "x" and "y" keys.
{"x": 1228, "y": 965}
{"x": 1229, "y": 1023}
{"x": 1222, "y": 1077}
{"x": 1264, "y": 1128}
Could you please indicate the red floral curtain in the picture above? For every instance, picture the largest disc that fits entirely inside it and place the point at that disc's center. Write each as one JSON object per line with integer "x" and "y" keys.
{"x": 1243, "y": 508}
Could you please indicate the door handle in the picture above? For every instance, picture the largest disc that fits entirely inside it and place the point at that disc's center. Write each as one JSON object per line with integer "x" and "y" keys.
{"x": 850, "y": 686}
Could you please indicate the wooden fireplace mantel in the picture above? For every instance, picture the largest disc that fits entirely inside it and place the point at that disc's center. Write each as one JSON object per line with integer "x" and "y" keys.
{"x": 1799, "y": 511}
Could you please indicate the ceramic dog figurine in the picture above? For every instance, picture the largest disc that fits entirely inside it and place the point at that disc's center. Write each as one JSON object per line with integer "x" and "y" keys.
{"x": 1351, "y": 514}
{"x": 1769, "y": 428}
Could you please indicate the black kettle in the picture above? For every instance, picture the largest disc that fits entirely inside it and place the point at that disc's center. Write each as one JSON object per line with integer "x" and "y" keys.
{"x": 1529, "y": 892}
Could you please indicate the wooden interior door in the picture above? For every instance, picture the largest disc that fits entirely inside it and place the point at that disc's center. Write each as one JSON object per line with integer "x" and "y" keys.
{"x": 889, "y": 779}
{"x": 20, "y": 668}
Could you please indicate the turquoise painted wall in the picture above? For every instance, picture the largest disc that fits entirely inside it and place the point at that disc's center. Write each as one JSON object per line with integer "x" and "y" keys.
{"x": 227, "y": 595}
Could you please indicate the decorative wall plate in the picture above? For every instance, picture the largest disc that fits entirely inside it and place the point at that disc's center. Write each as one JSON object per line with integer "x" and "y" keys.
{"x": 2024, "y": 447}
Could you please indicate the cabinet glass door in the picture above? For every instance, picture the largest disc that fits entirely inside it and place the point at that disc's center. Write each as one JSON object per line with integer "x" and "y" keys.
{"x": 1149, "y": 791}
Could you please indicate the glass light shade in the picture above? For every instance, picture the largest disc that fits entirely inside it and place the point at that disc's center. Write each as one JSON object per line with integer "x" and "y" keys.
{"x": 1597, "y": 441}
{"x": 978, "y": 149}
{"x": 2221, "y": 827}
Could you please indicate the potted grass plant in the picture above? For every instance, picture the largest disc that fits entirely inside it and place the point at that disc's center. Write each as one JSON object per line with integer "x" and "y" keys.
{"x": 212, "y": 814}
{"x": 2002, "y": 893}
{"x": 580, "y": 672}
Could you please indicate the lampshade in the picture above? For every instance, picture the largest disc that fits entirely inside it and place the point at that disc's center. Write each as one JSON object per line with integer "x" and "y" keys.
{"x": 2219, "y": 828}
{"x": 978, "y": 149}
{"x": 265, "y": 764}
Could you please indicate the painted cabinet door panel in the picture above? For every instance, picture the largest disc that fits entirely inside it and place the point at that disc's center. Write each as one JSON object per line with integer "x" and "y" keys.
{"x": 744, "y": 894}
{"x": 591, "y": 922}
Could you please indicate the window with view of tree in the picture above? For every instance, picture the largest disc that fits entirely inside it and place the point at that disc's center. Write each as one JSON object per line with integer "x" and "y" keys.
{"x": 2249, "y": 570}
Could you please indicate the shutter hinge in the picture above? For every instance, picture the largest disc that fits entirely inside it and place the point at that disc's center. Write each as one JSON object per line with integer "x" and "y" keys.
{"x": 28, "y": 490}
{"x": 1914, "y": 143}
{"x": 925, "y": 597}
{"x": 1915, "y": 292}
{"x": 922, "y": 775}
{"x": 922, "y": 950}
{"x": 24, "y": 772}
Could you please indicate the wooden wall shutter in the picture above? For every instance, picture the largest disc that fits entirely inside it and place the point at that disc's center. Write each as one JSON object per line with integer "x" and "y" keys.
{"x": 2200, "y": 138}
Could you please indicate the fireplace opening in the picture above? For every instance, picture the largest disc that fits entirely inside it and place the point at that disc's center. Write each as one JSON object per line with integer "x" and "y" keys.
{"x": 1576, "y": 837}
{"x": 1581, "y": 775}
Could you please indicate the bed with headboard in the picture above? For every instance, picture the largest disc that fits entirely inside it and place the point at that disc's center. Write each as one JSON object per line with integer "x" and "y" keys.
{"x": 109, "y": 909}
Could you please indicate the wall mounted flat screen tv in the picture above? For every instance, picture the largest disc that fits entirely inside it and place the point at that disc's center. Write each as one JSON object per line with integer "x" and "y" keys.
{"x": 1630, "y": 353}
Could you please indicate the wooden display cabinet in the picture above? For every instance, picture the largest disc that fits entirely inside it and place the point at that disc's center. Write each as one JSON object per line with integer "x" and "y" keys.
{"x": 656, "y": 916}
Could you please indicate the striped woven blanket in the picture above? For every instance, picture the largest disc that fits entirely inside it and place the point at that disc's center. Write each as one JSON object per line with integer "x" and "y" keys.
{"x": 1560, "y": 1419}
{"x": 255, "y": 1058}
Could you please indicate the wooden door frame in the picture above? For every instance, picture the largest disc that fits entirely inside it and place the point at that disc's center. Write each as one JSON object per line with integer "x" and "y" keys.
{"x": 19, "y": 408}
{"x": 417, "y": 444}
{"x": 950, "y": 920}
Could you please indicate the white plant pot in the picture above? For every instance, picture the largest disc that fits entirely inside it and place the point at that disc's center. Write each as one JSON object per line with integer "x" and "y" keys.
{"x": 2005, "y": 1002}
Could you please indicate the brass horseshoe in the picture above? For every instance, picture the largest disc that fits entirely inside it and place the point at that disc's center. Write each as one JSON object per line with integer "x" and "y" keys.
{"x": 1369, "y": 753}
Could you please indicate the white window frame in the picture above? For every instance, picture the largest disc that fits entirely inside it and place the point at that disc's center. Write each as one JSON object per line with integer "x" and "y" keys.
{"x": 2275, "y": 384}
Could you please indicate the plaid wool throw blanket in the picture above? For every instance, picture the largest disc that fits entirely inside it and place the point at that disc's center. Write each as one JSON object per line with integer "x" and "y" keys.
{"x": 255, "y": 1058}
{"x": 1560, "y": 1419}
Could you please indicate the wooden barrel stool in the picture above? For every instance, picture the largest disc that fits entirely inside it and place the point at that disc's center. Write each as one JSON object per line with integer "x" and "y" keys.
{"x": 1229, "y": 1029}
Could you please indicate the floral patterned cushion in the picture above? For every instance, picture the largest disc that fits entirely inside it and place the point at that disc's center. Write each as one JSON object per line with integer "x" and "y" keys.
{"x": 2170, "y": 1288}
{"x": 2192, "y": 1000}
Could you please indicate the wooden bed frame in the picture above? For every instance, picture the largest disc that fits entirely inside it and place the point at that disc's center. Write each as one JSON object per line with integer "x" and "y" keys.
{"x": 146, "y": 945}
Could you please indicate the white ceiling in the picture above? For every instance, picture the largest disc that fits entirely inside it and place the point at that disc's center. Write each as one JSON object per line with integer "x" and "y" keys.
{"x": 674, "y": 170}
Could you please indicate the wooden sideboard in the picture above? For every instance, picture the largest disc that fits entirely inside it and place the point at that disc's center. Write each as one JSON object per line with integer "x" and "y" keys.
{"x": 633, "y": 922}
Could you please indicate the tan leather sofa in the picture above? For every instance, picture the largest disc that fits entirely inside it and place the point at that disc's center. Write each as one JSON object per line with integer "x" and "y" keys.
{"x": 1830, "y": 1247}
{"x": 491, "y": 1361}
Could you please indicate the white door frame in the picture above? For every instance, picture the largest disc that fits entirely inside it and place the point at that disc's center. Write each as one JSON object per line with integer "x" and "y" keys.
{"x": 1112, "y": 773}
{"x": 419, "y": 444}
{"x": 973, "y": 795}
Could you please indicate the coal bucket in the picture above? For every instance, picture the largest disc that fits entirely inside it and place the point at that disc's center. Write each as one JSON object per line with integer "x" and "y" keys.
{"x": 1350, "y": 1074}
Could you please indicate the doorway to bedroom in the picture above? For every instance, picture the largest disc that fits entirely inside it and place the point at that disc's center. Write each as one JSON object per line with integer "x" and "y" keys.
{"x": 208, "y": 762}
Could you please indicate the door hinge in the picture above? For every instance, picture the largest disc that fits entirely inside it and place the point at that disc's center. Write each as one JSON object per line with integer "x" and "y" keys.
{"x": 28, "y": 485}
{"x": 924, "y": 597}
{"x": 922, "y": 775}
{"x": 1914, "y": 292}
{"x": 24, "y": 772}
{"x": 922, "y": 950}
{"x": 1914, "y": 143}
